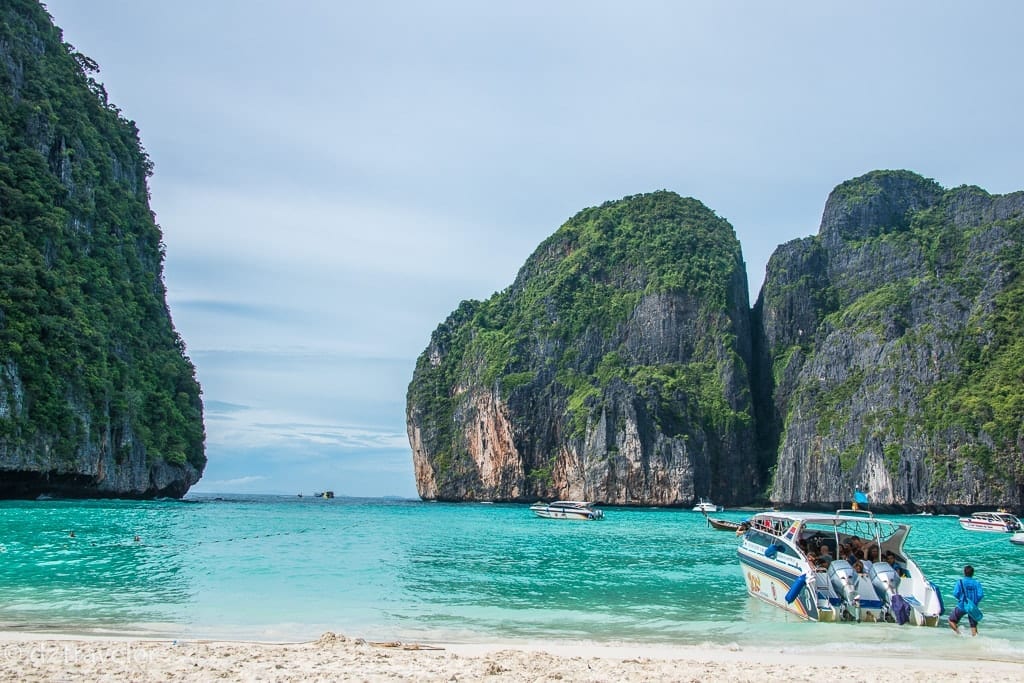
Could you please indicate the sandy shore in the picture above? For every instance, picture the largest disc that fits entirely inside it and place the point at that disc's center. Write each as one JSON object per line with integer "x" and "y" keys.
{"x": 333, "y": 657}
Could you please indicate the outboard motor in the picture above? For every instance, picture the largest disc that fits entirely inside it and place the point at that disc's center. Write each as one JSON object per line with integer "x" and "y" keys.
{"x": 885, "y": 580}
{"x": 844, "y": 582}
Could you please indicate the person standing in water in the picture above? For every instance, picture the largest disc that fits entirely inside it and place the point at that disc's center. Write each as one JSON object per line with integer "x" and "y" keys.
{"x": 968, "y": 593}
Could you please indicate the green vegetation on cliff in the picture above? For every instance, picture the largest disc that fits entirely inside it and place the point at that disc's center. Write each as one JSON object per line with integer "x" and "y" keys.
{"x": 888, "y": 349}
{"x": 558, "y": 330}
{"x": 918, "y": 354}
{"x": 87, "y": 348}
{"x": 987, "y": 397}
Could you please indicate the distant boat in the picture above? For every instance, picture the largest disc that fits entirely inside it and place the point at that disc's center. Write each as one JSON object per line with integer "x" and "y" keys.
{"x": 1000, "y": 522}
{"x": 567, "y": 509}
{"x": 324, "y": 494}
{"x": 706, "y": 506}
{"x": 724, "y": 524}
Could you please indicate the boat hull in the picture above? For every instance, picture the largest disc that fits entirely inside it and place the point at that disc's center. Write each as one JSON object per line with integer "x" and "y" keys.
{"x": 991, "y": 528}
{"x": 969, "y": 524}
{"x": 723, "y": 524}
{"x": 1017, "y": 538}
{"x": 562, "y": 514}
{"x": 770, "y": 583}
{"x": 577, "y": 512}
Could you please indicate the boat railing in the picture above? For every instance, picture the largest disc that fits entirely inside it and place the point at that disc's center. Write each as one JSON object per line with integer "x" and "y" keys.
{"x": 867, "y": 514}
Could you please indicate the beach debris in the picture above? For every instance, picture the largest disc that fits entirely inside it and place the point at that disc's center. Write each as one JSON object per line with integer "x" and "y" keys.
{"x": 494, "y": 669}
{"x": 398, "y": 645}
{"x": 330, "y": 639}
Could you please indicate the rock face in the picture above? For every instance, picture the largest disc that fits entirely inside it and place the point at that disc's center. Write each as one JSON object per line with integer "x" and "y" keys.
{"x": 884, "y": 354}
{"x": 894, "y": 339}
{"x": 97, "y": 397}
{"x": 615, "y": 369}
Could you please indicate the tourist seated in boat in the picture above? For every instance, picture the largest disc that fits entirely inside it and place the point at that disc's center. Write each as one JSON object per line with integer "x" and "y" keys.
{"x": 890, "y": 558}
{"x": 858, "y": 567}
{"x": 856, "y": 550}
{"x": 824, "y": 552}
{"x": 871, "y": 553}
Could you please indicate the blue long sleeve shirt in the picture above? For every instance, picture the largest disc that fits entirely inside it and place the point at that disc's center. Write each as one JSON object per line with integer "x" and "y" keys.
{"x": 968, "y": 588}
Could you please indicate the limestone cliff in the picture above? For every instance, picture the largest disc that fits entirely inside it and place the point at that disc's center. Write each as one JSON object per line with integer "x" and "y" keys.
{"x": 886, "y": 353}
{"x": 96, "y": 395}
{"x": 895, "y": 342}
{"x": 614, "y": 369}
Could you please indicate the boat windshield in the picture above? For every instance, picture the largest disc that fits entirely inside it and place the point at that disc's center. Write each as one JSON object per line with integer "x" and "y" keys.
{"x": 864, "y": 529}
{"x": 836, "y": 532}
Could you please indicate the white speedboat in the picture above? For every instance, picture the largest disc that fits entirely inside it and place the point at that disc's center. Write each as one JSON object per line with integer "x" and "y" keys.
{"x": 1017, "y": 538}
{"x": 1000, "y": 522}
{"x": 567, "y": 509}
{"x": 704, "y": 505}
{"x": 778, "y": 570}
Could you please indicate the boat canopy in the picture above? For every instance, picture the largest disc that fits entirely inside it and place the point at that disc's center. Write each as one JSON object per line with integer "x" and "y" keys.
{"x": 796, "y": 526}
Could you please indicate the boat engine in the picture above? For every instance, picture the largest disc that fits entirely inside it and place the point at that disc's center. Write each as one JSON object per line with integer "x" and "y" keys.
{"x": 844, "y": 582}
{"x": 884, "y": 579}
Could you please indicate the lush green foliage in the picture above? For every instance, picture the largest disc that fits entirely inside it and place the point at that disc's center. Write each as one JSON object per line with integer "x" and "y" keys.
{"x": 83, "y": 319}
{"x": 899, "y": 187}
{"x": 555, "y": 333}
{"x": 988, "y": 395}
{"x": 976, "y": 410}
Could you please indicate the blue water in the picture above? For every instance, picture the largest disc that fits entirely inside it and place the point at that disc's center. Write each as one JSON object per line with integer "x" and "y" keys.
{"x": 289, "y": 568}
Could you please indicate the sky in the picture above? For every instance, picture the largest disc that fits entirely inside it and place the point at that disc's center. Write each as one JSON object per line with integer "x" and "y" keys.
{"x": 333, "y": 177}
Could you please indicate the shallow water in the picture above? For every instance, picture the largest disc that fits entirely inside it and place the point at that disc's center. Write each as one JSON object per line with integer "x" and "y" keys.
{"x": 289, "y": 568}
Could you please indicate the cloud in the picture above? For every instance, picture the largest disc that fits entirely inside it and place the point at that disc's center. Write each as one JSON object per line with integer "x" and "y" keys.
{"x": 332, "y": 179}
{"x": 255, "y": 428}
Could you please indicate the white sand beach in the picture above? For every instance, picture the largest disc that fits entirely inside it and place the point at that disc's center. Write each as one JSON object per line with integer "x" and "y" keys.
{"x": 334, "y": 657}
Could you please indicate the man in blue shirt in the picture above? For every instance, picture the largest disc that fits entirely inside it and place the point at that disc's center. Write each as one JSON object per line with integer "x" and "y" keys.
{"x": 968, "y": 593}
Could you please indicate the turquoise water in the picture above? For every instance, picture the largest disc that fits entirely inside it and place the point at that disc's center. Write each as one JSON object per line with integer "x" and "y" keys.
{"x": 289, "y": 568}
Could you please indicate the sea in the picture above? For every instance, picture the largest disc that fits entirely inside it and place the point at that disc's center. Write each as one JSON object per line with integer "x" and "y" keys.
{"x": 290, "y": 568}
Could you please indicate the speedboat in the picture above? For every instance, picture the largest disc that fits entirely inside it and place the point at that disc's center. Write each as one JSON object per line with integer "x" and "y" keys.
{"x": 567, "y": 509}
{"x": 1017, "y": 538}
{"x": 704, "y": 505}
{"x": 778, "y": 570}
{"x": 1000, "y": 522}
